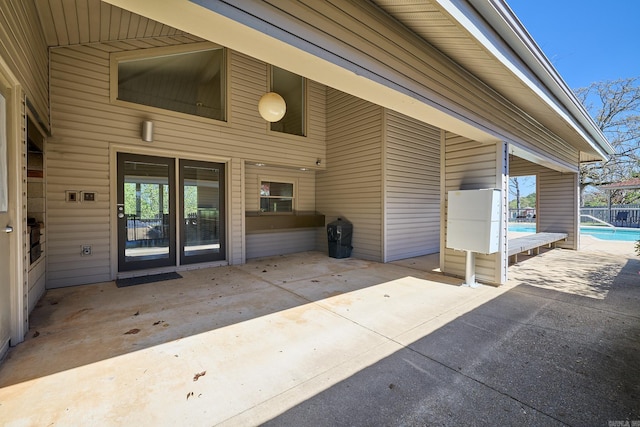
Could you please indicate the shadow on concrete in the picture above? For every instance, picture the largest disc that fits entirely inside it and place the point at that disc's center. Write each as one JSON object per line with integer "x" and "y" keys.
{"x": 532, "y": 356}
{"x": 77, "y": 326}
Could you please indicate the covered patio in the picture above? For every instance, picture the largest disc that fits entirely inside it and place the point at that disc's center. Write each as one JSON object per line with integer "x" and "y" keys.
{"x": 307, "y": 339}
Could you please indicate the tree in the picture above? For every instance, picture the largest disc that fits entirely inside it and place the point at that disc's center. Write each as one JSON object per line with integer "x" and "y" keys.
{"x": 514, "y": 189}
{"x": 615, "y": 107}
{"x": 516, "y": 184}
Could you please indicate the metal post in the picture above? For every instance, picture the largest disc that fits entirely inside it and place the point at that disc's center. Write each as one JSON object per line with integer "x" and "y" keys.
{"x": 470, "y": 270}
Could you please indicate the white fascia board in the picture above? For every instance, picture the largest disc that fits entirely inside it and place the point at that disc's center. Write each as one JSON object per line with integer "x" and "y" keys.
{"x": 530, "y": 64}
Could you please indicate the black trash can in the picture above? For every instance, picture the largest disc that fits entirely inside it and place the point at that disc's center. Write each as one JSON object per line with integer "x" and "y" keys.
{"x": 339, "y": 237}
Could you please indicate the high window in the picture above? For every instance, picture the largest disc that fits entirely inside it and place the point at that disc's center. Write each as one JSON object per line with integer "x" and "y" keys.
{"x": 191, "y": 82}
{"x": 292, "y": 88}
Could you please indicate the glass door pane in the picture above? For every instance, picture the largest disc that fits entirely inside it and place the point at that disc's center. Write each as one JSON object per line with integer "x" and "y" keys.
{"x": 146, "y": 228}
{"x": 202, "y": 211}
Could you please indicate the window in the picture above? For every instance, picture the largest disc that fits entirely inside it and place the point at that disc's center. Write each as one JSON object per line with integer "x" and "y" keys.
{"x": 277, "y": 197}
{"x": 292, "y": 88}
{"x": 187, "y": 82}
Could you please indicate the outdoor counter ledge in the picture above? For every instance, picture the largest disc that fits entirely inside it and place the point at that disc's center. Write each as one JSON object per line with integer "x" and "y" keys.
{"x": 256, "y": 222}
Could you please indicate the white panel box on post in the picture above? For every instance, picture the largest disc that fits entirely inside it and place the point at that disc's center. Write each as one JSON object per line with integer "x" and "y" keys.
{"x": 473, "y": 220}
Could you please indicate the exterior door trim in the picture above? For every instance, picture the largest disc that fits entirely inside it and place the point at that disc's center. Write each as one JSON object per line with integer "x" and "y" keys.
{"x": 16, "y": 120}
{"x": 114, "y": 149}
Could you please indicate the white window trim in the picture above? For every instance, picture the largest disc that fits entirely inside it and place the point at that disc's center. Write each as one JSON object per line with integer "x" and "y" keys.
{"x": 294, "y": 202}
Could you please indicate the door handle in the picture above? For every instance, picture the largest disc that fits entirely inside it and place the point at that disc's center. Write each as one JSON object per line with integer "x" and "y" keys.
{"x": 8, "y": 229}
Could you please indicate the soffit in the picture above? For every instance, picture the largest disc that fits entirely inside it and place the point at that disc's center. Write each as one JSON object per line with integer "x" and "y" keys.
{"x": 70, "y": 22}
{"x": 428, "y": 20}
{"x": 73, "y": 22}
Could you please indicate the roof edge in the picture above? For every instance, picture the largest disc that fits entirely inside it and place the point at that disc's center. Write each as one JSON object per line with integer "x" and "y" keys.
{"x": 512, "y": 45}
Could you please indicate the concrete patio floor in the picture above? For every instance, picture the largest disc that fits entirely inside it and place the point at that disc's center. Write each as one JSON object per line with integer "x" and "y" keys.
{"x": 310, "y": 340}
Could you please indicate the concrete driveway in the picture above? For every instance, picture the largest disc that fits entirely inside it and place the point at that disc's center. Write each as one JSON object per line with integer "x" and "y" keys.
{"x": 310, "y": 340}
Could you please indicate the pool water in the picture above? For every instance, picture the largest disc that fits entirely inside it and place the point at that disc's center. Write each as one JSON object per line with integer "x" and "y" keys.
{"x": 604, "y": 233}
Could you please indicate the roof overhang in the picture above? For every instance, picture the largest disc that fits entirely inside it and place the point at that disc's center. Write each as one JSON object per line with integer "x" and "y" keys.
{"x": 629, "y": 184}
{"x": 512, "y": 63}
{"x": 524, "y": 75}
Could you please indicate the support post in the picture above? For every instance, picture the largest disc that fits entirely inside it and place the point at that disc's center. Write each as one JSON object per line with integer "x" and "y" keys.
{"x": 470, "y": 270}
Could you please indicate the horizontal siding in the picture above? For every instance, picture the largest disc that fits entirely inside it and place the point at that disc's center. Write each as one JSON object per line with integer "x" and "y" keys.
{"x": 280, "y": 243}
{"x": 396, "y": 58}
{"x": 267, "y": 244}
{"x": 521, "y": 167}
{"x": 235, "y": 209}
{"x": 351, "y": 187}
{"x": 86, "y": 125}
{"x": 412, "y": 187}
{"x": 23, "y": 47}
{"x": 469, "y": 165}
{"x": 558, "y": 205}
{"x": 37, "y": 282}
{"x": 557, "y": 199}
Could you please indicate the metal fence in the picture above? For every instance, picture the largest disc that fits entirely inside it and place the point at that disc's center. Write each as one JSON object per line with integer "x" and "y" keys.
{"x": 522, "y": 215}
{"x": 618, "y": 215}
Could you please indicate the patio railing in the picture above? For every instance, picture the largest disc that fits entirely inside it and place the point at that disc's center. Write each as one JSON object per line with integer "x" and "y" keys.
{"x": 522, "y": 215}
{"x": 618, "y": 215}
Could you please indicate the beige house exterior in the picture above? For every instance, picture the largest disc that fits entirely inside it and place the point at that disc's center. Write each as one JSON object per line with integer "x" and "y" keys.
{"x": 404, "y": 101}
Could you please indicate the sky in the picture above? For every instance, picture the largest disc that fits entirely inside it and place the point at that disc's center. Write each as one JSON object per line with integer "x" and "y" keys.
{"x": 587, "y": 41}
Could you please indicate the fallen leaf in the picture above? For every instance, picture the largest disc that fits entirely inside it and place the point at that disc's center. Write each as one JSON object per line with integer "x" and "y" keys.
{"x": 264, "y": 271}
{"x": 132, "y": 331}
{"x": 198, "y": 375}
{"x": 36, "y": 334}
{"x": 136, "y": 313}
{"x": 158, "y": 322}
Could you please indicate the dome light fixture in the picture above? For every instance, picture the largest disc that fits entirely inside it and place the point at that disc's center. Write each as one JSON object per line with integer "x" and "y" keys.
{"x": 272, "y": 107}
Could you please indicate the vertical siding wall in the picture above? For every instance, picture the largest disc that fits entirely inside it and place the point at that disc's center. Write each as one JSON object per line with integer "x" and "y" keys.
{"x": 284, "y": 241}
{"x": 351, "y": 187}
{"x": 86, "y": 127}
{"x": 558, "y": 199}
{"x": 469, "y": 165}
{"x": 24, "y": 49}
{"x": 412, "y": 187}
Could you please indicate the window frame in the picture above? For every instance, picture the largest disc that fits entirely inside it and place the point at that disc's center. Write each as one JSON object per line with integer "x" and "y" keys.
{"x": 294, "y": 196}
{"x": 116, "y": 57}
{"x": 305, "y": 103}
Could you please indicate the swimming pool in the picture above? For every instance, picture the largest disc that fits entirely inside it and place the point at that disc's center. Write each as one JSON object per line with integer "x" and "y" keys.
{"x": 604, "y": 233}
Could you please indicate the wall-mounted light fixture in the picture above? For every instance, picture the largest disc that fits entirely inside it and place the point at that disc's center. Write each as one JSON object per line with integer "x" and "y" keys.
{"x": 147, "y": 131}
{"x": 272, "y": 107}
